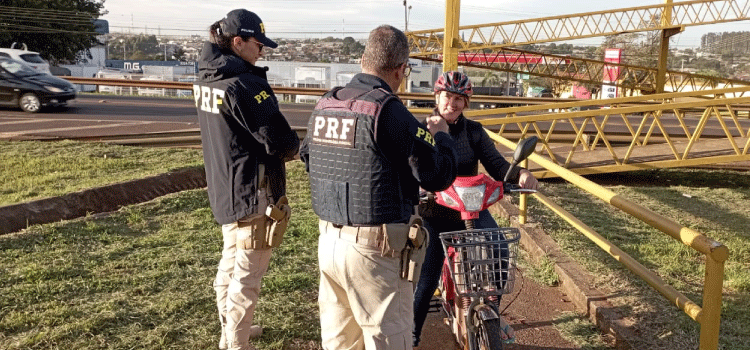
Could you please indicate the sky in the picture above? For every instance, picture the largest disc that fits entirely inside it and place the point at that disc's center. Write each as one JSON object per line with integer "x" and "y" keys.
{"x": 355, "y": 18}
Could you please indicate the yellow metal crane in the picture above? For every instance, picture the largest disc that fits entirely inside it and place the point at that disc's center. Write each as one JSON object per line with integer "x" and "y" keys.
{"x": 670, "y": 18}
{"x": 588, "y": 71}
{"x": 426, "y": 43}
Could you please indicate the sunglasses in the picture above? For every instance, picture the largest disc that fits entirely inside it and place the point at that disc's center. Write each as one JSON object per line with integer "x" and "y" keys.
{"x": 260, "y": 45}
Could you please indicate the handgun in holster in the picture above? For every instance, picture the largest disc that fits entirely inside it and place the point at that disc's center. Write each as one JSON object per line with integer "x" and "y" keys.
{"x": 279, "y": 214}
{"x": 413, "y": 254}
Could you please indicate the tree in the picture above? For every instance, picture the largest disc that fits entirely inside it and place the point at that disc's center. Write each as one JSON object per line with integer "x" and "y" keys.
{"x": 179, "y": 54}
{"x": 58, "y": 30}
{"x": 490, "y": 79}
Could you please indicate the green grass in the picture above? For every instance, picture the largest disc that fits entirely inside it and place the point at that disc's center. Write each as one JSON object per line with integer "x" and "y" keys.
{"x": 715, "y": 203}
{"x": 580, "y": 331}
{"x": 32, "y": 170}
{"x": 141, "y": 278}
{"x": 541, "y": 269}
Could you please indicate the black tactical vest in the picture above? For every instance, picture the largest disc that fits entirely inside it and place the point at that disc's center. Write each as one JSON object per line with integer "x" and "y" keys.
{"x": 350, "y": 180}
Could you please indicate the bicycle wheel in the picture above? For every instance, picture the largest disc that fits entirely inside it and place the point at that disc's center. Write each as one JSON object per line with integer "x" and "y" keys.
{"x": 488, "y": 334}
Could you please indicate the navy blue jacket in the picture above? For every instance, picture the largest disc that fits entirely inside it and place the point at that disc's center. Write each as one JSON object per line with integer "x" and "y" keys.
{"x": 241, "y": 127}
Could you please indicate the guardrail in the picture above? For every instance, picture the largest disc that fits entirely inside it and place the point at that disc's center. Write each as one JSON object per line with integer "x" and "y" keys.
{"x": 708, "y": 316}
{"x": 285, "y": 90}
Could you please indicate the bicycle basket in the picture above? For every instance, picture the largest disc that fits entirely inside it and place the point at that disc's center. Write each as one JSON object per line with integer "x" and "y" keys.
{"x": 482, "y": 262}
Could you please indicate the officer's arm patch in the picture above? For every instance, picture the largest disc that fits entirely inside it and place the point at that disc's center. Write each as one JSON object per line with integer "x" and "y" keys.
{"x": 334, "y": 131}
{"x": 423, "y": 135}
{"x": 261, "y": 96}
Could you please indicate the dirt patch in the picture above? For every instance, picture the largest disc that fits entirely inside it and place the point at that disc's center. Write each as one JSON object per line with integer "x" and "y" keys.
{"x": 103, "y": 199}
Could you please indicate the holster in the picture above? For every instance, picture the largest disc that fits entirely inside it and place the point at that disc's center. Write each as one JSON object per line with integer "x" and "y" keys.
{"x": 279, "y": 215}
{"x": 407, "y": 242}
{"x": 267, "y": 228}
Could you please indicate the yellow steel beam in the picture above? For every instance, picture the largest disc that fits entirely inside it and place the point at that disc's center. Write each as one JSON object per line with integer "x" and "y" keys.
{"x": 450, "y": 39}
{"x": 709, "y": 315}
{"x": 604, "y": 169}
{"x": 664, "y": 53}
{"x": 425, "y": 43}
{"x": 689, "y": 237}
{"x": 589, "y": 71}
{"x": 739, "y": 91}
{"x": 650, "y": 130}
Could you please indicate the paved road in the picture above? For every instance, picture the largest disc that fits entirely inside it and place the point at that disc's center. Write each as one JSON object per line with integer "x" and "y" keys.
{"x": 98, "y": 115}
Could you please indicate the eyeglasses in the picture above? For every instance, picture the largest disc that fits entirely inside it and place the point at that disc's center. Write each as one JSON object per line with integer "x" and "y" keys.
{"x": 407, "y": 70}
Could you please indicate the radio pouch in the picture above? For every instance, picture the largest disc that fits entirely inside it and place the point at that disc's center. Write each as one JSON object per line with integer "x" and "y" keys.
{"x": 278, "y": 215}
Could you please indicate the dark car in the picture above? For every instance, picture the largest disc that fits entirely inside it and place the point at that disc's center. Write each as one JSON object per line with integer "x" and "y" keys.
{"x": 22, "y": 86}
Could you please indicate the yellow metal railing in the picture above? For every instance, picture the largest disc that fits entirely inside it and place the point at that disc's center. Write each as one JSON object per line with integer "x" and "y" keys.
{"x": 677, "y": 121}
{"x": 709, "y": 315}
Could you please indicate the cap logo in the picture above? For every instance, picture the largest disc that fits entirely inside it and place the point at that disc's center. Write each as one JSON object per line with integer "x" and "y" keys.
{"x": 247, "y": 30}
{"x": 262, "y": 28}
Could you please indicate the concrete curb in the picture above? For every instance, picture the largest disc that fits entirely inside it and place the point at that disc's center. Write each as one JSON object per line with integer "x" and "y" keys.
{"x": 108, "y": 198}
{"x": 574, "y": 279}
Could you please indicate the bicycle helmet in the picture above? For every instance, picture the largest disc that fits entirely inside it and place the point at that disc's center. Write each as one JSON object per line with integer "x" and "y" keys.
{"x": 455, "y": 82}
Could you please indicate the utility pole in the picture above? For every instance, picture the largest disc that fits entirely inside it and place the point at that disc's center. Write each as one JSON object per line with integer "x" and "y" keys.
{"x": 406, "y": 16}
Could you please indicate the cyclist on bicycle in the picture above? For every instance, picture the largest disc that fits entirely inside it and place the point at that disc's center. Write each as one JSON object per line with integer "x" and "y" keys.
{"x": 452, "y": 92}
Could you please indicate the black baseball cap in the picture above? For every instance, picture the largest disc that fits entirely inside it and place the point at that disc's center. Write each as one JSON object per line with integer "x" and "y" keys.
{"x": 245, "y": 23}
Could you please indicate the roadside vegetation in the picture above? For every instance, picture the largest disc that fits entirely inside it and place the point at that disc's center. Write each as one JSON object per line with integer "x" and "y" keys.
{"x": 141, "y": 277}
{"x": 32, "y": 170}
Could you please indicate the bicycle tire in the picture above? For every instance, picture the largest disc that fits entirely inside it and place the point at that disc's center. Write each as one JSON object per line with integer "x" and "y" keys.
{"x": 488, "y": 335}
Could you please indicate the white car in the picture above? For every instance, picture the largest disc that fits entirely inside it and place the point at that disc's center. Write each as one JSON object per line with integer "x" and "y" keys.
{"x": 31, "y": 58}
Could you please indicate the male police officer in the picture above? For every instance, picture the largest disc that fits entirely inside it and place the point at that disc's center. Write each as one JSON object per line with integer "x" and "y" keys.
{"x": 367, "y": 156}
{"x": 246, "y": 141}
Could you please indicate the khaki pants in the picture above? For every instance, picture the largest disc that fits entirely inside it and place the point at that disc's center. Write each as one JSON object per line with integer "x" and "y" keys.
{"x": 237, "y": 282}
{"x": 364, "y": 303}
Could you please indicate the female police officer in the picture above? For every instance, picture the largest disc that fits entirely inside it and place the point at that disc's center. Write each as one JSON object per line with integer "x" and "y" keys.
{"x": 246, "y": 141}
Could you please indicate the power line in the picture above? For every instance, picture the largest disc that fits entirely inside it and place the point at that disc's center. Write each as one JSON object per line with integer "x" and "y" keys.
{"x": 60, "y": 14}
{"x": 50, "y": 21}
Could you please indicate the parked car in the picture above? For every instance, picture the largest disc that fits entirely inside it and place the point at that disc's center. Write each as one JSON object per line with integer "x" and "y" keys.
{"x": 31, "y": 58}
{"x": 22, "y": 86}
